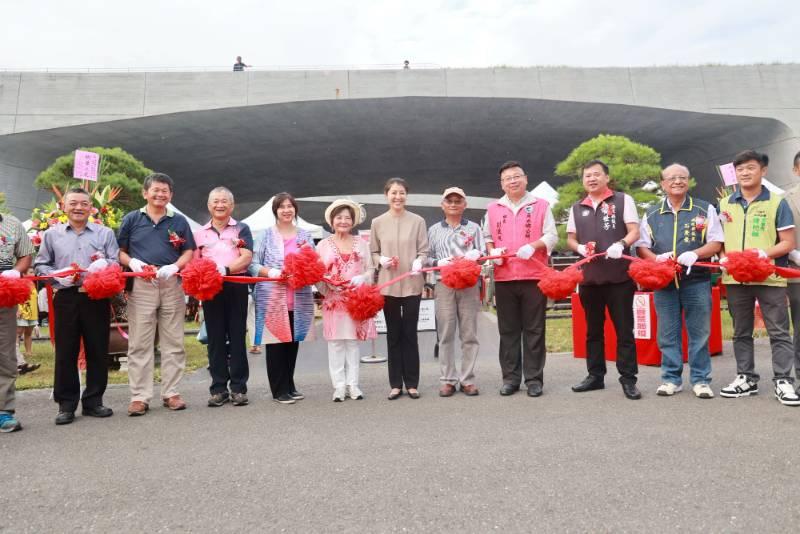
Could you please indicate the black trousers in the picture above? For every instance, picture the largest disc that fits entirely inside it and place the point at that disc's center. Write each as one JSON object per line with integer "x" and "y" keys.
{"x": 402, "y": 315}
{"x": 521, "y": 325}
{"x": 618, "y": 298}
{"x": 226, "y": 324}
{"x": 281, "y": 361}
{"x": 79, "y": 317}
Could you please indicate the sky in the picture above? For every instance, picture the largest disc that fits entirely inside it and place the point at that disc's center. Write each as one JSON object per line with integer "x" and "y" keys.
{"x": 141, "y": 34}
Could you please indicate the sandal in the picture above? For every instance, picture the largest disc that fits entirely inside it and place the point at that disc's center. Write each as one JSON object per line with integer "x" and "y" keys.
{"x": 27, "y": 368}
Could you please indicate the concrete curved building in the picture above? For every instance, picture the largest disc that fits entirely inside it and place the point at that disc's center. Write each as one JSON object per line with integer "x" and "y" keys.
{"x": 320, "y": 134}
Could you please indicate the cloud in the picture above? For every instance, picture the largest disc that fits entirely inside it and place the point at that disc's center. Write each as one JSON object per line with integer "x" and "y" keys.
{"x": 458, "y": 33}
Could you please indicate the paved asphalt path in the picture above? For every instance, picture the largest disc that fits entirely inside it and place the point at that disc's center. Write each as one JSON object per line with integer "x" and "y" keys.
{"x": 591, "y": 462}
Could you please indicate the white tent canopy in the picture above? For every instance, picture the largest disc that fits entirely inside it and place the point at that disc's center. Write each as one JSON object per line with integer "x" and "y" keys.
{"x": 193, "y": 225}
{"x": 263, "y": 218}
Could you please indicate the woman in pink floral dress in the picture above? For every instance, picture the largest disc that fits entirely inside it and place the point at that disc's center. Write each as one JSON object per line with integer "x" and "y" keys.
{"x": 346, "y": 257}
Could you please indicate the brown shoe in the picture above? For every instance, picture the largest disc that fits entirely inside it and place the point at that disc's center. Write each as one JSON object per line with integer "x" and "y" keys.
{"x": 470, "y": 390}
{"x": 447, "y": 390}
{"x": 137, "y": 408}
{"x": 175, "y": 403}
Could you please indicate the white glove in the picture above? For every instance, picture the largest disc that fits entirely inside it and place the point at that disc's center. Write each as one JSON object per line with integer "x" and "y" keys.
{"x": 473, "y": 255}
{"x": 11, "y": 273}
{"x": 722, "y": 264}
{"x": 97, "y": 265}
{"x": 66, "y": 281}
{"x": 166, "y": 271}
{"x": 687, "y": 259}
{"x": 614, "y": 252}
{"x": 386, "y": 262}
{"x": 358, "y": 280}
{"x": 583, "y": 250}
{"x": 794, "y": 257}
{"x": 525, "y": 252}
{"x": 416, "y": 266}
{"x": 664, "y": 256}
{"x": 443, "y": 262}
{"x": 761, "y": 253}
{"x": 221, "y": 269}
{"x": 136, "y": 265}
{"x": 274, "y": 273}
{"x": 497, "y": 252}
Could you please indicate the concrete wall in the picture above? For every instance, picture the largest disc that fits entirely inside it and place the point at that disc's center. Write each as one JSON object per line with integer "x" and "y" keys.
{"x": 36, "y": 101}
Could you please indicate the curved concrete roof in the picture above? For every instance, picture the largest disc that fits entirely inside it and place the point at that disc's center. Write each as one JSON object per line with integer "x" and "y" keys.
{"x": 349, "y": 147}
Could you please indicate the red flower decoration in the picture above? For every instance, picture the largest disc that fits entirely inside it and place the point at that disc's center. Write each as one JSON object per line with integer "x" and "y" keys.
{"x": 239, "y": 243}
{"x": 104, "y": 283}
{"x": 36, "y": 239}
{"x": 363, "y": 302}
{"x": 175, "y": 239}
{"x": 201, "y": 279}
{"x": 559, "y": 285}
{"x": 700, "y": 223}
{"x": 725, "y": 217}
{"x": 461, "y": 273}
{"x": 14, "y": 291}
{"x": 652, "y": 274}
{"x": 303, "y": 268}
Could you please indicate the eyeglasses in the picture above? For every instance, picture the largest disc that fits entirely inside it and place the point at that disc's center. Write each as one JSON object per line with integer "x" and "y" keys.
{"x": 671, "y": 179}
{"x": 514, "y": 178}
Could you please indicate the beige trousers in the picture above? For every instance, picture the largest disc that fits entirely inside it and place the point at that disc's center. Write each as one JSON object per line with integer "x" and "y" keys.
{"x": 159, "y": 306}
{"x": 457, "y": 309}
{"x": 8, "y": 358}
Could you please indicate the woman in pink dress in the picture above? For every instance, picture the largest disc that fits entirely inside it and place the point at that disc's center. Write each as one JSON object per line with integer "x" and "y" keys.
{"x": 346, "y": 257}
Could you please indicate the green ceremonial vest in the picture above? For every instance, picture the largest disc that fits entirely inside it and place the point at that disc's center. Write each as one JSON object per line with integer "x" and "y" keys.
{"x": 750, "y": 228}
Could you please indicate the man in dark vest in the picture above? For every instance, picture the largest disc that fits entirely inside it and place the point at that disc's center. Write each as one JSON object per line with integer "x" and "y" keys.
{"x": 605, "y": 221}
{"x": 686, "y": 229}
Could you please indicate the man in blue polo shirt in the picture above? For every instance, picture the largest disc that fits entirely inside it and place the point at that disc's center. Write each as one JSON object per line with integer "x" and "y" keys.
{"x": 155, "y": 236}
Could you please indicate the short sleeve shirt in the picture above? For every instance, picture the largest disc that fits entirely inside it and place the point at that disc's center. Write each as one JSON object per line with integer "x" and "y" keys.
{"x": 223, "y": 247}
{"x": 14, "y": 242}
{"x": 156, "y": 244}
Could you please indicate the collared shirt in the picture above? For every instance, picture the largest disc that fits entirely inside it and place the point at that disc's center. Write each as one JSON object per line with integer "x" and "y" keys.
{"x": 62, "y": 246}
{"x": 713, "y": 229}
{"x": 549, "y": 231}
{"x": 447, "y": 241}
{"x": 150, "y": 242}
{"x": 629, "y": 214}
{"x": 224, "y": 247}
{"x": 783, "y": 219}
{"x": 14, "y": 242}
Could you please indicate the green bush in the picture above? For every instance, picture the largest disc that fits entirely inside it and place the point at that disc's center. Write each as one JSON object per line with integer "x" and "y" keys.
{"x": 117, "y": 169}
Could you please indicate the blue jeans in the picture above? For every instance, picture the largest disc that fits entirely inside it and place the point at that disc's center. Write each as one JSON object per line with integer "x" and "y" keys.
{"x": 693, "y": 300}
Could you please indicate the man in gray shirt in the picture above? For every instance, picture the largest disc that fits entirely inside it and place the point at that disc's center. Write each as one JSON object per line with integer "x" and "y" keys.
{"x": 77, "y": 317}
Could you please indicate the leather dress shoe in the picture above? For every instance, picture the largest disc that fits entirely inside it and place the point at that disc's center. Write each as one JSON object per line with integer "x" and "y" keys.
{"x": 174, "y": 403}
{"x": 65, "y": 418}
{"x": 447, "y": 390}
{"x": 508, "y": 389}
{"x": 590, "y": 383}
{"x": 136, "y": 408}
{"x": 470, "y": 390}
{"x": 97, "y": 411}
{"x": 631, "y": 391}
{"x": 535, "y": 390}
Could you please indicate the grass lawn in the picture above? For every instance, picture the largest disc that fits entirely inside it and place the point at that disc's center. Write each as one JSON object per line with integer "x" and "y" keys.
{"x": 196, "y": 357}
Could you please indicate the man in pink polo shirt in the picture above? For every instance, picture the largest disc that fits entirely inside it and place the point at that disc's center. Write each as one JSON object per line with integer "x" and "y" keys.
{"x": 522, "y": 224}
{"x": 230, "y": 244}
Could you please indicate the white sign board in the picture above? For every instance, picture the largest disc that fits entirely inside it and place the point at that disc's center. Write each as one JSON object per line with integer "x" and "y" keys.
{"x": 426, "y": 322}
{"x": 641, "y": 315}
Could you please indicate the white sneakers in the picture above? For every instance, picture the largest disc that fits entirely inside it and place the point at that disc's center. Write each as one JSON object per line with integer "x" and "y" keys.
{"x": 703, "y": 391}
{"x": 668, "y": 389}
{"x": 354, "y": 392}
{"x": 740, "y": 387}
{"x": 785, "y": 393}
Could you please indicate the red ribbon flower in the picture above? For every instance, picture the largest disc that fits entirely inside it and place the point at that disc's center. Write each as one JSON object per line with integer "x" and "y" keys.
{"x": 239, "y": 243}
{"x": 176, "y": 240}
{"x": 700, "y": 223}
